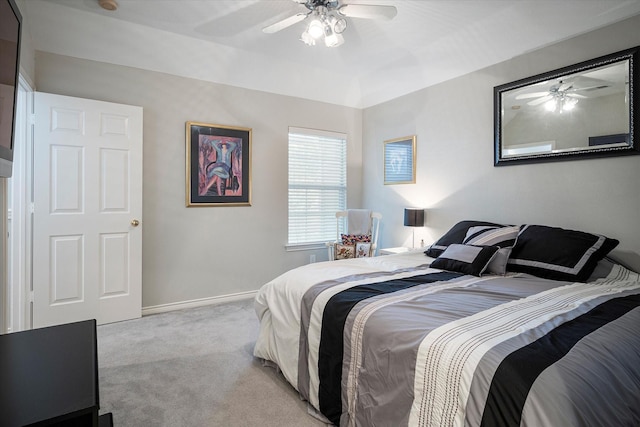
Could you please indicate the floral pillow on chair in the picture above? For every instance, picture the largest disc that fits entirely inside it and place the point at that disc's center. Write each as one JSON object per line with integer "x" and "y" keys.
{"x": 343, "y": 251}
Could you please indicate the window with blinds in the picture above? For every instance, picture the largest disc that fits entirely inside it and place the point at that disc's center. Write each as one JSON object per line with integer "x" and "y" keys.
{"x": 317, "y": 184}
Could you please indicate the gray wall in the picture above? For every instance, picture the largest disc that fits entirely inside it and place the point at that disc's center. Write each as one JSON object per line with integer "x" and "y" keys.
{"x": 456, "y": 178}
{"x": 27, "y": 53}
{"x": 192, "y": 253}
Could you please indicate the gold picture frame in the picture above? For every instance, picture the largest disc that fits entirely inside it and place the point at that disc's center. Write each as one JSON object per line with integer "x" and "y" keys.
{"x": 400, "y": 160}
{"x": 218, "y": 165}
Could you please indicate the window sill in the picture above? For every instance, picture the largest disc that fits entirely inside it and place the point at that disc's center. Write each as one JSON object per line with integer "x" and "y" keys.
{"x": 305, "y": 246}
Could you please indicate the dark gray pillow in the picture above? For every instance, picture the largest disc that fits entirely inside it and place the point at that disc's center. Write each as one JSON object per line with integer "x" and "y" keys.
{"x": 558, "y": 254}
{"x": 466, "y": 259}
{"x": 456, "y": 234}
{"x": 503, "y": 237}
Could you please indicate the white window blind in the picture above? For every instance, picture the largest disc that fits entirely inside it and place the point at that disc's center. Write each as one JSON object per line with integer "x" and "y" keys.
{"x": 317, "y": 184}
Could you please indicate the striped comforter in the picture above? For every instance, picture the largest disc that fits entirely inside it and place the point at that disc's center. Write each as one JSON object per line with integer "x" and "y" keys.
{"x": 388, "y": 341}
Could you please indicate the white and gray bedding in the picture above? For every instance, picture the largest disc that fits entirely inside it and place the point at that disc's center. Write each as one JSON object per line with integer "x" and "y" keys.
{"x": 390, "y": 341}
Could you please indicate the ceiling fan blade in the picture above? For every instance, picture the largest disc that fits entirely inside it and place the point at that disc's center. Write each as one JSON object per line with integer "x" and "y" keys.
{"x": 565, "y": 87}
{"x": 576, "y": 95}
{"x": 591, "y": 87}
{"x": 531, "y": 95}
{"x": 540, "y": 100}
{"x": 368, "y": 11}
{"x": 287, "y": 22}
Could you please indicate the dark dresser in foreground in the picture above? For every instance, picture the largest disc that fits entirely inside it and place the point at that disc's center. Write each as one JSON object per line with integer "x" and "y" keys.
{"x": 49, "y": 377}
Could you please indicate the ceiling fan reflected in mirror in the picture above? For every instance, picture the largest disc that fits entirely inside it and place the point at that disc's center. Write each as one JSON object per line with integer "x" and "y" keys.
{"x": 560, "y": 97}
{"x": 328, "y": 19}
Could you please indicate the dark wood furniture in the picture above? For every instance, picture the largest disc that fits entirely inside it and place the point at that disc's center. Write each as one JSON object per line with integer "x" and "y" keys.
{"x": 49, "y": 377}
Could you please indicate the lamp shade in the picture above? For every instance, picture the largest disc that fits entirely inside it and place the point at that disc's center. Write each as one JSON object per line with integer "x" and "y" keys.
{"x": 414, "y": 217}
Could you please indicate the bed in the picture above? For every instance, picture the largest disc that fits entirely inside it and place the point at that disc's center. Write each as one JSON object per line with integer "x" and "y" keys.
{"x": 492, "y": 325}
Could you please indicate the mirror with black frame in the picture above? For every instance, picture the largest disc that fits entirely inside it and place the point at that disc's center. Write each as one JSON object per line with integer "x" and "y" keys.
{"x": 581, "y": 111}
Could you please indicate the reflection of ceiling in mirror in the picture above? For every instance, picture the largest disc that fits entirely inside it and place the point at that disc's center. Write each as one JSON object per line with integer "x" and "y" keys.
{"x": 594, "y": 83}
{"x": 594, "y": 116}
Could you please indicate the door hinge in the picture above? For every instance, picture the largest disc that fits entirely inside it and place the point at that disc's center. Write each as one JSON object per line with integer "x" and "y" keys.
{"x": 32, "y": 119}
{"x": 31, "y": 297}
{"x": 32, "y": 208}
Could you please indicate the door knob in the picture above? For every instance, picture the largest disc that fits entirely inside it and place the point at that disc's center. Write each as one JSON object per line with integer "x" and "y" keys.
{"x": 135, "y": 222}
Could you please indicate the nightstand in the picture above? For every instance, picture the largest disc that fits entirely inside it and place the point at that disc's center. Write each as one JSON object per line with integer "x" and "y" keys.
{"x": 391, "y": 251}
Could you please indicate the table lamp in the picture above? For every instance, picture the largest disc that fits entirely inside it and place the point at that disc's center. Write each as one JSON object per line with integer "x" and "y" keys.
{"x": 414, "y": 218}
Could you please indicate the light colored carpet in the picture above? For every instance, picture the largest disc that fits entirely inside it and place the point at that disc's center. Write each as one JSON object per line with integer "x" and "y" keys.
{"x": 193, "y": 367}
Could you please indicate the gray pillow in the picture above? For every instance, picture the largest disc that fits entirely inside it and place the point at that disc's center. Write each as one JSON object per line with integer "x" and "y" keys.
{"x": 503, "y": 237}
{"x": 456, "y": 234}
{"x": 492, "y": 236}
{"x": 466, "y": 259}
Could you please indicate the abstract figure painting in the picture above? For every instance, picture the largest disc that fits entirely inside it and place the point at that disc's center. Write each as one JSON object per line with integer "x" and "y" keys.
{"x": 400, "y": 160}
{"x": 218, "y": 165}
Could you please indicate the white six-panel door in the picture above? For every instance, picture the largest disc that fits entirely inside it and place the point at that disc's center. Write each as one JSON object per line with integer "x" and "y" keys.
{"x": 87, "y": 230}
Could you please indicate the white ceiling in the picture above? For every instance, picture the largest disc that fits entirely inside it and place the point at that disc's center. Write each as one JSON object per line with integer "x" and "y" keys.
{"x": 429, "y": 41}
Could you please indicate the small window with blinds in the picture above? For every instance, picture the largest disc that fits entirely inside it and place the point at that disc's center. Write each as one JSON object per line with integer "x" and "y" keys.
{"x": 317, "y": 184}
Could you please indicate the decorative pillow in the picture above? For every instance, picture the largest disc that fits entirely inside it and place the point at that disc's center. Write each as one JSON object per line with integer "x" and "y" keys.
{"x": 344, "y": 251}
{"x": 352, "y": 239}
{"x": 456, "y": 234}
{"x": 558, "y": 254}
{"x": 503, "y": 237}
{"x": 498, "y": 264}
{"x": 602, "y": 270}
{"x": 363, "y": 250}
{"x": 466, "y": 259}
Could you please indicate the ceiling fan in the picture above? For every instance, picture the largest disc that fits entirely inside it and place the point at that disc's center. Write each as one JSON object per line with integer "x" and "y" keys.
{"x": 328, "y": 19}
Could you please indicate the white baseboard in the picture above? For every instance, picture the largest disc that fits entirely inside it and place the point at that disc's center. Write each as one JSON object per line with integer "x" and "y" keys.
{"x": 163, "y": 308}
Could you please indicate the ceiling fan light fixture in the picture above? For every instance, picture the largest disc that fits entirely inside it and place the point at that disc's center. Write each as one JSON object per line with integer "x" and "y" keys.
{"x": 326, "y": 18}
{"x": 338, "y": 25}
{"x": 551, "y": 105}
{"x": 333, "y": 40}
{"x": 307, "y": 39}
{"x": 569, "y": 104}
{"x": 315, "y": 29}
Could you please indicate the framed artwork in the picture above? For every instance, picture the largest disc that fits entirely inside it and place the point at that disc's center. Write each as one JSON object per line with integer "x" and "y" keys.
{"x": 400, "y": 160}
{"x": 218, "y": 165}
